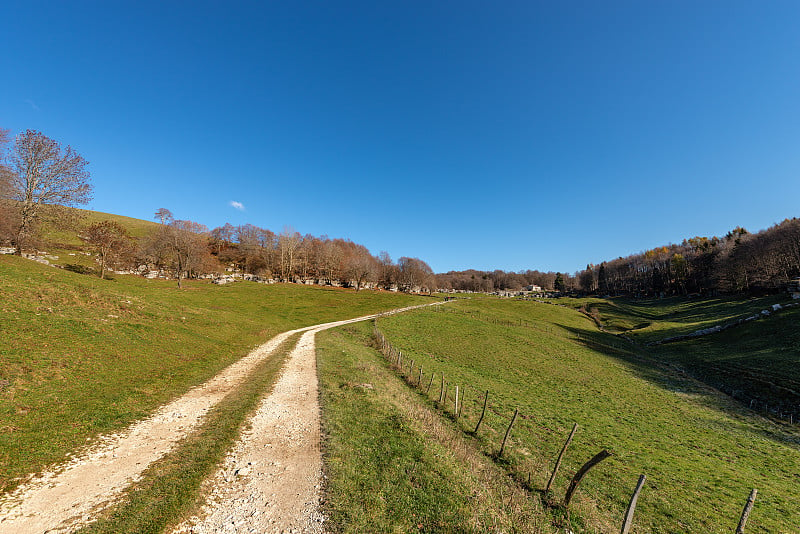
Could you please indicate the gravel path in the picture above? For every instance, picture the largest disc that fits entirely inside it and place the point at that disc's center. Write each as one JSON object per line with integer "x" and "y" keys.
{"x": 69, "y": 496}
{"x": 270, "y": 481}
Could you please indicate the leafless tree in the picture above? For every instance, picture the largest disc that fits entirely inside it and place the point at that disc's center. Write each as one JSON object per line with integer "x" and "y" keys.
{"x": 180, "y": 246}
{"x": 415, "y": 274}
{"x": 110, "y": 241}
{"x": 44, "y": 173}
{"x": 288, "y": 241}
{"x": 163, "y": 215}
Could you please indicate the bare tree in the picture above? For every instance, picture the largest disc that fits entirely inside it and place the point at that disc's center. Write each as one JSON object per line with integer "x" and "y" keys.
{"x": 415, "y": 274}
{"x": 163, "y": 215}
{"x": 180, "y": 246}
{"x": 44, "y": 173}
{"x": 109, "y": 240}
{"x": 387, "y": 270}
{"x": 288, "y": 241}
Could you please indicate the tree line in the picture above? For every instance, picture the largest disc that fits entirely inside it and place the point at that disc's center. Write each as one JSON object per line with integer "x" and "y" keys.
{"x": 739, "y": 262}
{"x": 489, "y": 281}
{"x": 40, "y": 179}
{"x": 188, "y": 248}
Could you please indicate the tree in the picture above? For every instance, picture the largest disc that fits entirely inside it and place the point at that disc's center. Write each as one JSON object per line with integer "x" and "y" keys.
{"x": 163, "y": 215}
{"x": 559, "y": 283}
{"x": 109, "y": 239}
{"x": 288, "y": 241}
{"x": 44, "y": 173}
{"x": 180, "y": 246}
{"x": 415, "y": 273}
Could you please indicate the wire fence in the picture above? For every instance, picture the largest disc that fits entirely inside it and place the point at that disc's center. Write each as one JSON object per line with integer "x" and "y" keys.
{"x": 453, "y": 397}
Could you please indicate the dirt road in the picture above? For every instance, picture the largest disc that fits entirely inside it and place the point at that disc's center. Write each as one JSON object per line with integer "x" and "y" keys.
{"x": 285, "y": 427}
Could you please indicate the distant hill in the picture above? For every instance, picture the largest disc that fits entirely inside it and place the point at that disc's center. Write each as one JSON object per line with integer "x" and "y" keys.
{"x": 69, "y": 238}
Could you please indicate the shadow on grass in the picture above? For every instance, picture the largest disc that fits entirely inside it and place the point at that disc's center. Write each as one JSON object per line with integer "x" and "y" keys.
{"x": 676, "y": 380}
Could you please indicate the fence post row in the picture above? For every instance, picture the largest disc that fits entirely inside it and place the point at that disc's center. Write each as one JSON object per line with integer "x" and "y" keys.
{"x": 396, "y": 357}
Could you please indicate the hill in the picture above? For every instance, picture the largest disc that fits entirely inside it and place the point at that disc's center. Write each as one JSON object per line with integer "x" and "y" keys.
{"x": 83, "y": 356}
{"x": 701, "y": 451}
{"x": 756, "y": 361}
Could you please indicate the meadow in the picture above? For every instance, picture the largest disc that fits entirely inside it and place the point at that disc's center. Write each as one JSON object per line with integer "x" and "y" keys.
{"x": 701, "y": 451}
{"x": 756, "y": 362}
{"x": 82, "y": 356}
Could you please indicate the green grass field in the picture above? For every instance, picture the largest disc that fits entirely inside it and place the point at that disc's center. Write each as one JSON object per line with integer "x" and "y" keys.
{"x": 757, "y": 361}
{"x": 82, "y": 356}
{"x": 701, "y": 452}
{"x": 393, "y": 464}
{"x": 135, "y": 227}
{"x": 647, "y": 320}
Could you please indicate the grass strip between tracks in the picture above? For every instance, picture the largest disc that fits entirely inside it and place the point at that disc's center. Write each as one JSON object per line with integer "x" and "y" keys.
{"x": 171, "y": 488}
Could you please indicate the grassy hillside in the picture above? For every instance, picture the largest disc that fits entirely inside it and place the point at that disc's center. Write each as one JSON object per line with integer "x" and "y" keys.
{"x": 135, "y": 227}
{"x": 701, "y": 453}
{"x": 82, "y": 356}
{"x": 756, "y": 361}
{"x": 646, "y": 320}
{"x": 393, "y": 464}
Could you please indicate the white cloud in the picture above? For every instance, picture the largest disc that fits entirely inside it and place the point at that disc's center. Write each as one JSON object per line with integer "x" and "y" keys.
{"x": 32, "y": 104}
{"x": 236, "y": 205}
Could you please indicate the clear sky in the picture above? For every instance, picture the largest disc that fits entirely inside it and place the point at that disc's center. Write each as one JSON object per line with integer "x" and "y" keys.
{"x": 510, "y": 135}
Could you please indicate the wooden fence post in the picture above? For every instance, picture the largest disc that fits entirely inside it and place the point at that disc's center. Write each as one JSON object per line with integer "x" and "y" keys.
{"x": 561, "y": 457}
{"x": 461, "y": 404}
{"x": 573, "y": 485}
{"x": 485, "y": 400}
{"x": 508, "y": 431}
{"x": 441, "y": 393}
{"x": 628, "y": 521}
{"x": 455, "y": 406}
{"x": 430, "y": 384}
{"x": 746, "y": 512}
{"x": 419, "y": 380}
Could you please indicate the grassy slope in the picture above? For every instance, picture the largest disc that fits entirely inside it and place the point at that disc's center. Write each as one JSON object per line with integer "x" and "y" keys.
{"x": 65, "y": 247}
{"x": 701, "y": 455}
{"x": 767, "y": 350}
{"x": 135, "y": 227}
{"x": 770, "y": 347}
{"x": 647, "y": 320}
{"x": 82, "y": 356}
{"x": 393, "y": 464}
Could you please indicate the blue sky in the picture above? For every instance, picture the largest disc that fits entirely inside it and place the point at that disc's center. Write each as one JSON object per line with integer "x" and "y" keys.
{"x": 510, "y": 135}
